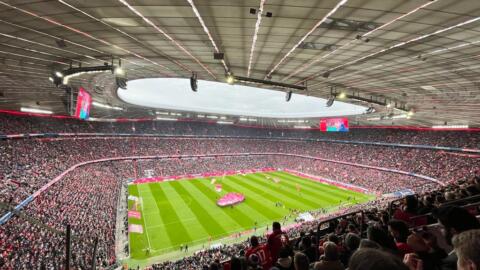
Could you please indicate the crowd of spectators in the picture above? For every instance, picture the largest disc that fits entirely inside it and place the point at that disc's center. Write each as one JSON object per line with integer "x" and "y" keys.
{"x": 18, "y": 124}
{"x": 87, "y": 197}
{"x": 87, "y": 200}
{"x": 27, "y": 164}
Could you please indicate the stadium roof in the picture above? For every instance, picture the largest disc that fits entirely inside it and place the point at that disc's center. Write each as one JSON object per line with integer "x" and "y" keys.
{"x": 415, "y": 55}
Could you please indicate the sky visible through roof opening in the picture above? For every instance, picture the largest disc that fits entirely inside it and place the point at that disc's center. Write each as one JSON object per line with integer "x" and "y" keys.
{"x": 222, "y": 98}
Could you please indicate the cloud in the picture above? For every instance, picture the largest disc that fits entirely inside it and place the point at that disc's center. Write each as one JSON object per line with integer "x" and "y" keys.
{"x": 222, "y": 98}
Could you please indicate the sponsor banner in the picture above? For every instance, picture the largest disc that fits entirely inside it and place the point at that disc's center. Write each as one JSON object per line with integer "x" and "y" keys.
{"x": 135, "y": 228}
{"x": 134, "y": 214}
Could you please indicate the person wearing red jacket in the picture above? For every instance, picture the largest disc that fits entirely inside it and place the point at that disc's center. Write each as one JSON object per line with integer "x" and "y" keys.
{"x": 276, "y": 240}
{"x": 260, "y": 252}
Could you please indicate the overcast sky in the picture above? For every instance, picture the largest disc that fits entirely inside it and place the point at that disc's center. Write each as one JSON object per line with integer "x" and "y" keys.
{"x": 222, "y": 98}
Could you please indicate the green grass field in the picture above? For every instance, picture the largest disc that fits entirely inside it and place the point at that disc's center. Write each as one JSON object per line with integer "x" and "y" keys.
{"x": 185, "y": 211}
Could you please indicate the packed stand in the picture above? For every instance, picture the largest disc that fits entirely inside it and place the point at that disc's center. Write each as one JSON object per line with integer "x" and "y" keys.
{"x": 87, "y": 200}
{"x": 17, "y": 124}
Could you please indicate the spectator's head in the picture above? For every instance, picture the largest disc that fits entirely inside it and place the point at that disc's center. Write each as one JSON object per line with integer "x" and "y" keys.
{"x": 455, "y": 220}
{"x": 369, "y": 259}
{"x": 306, "y": 242}
{"x": 333, "y": 238}
{"x": 284, "y": 259}
{"x": 254, "y": 241}
{"x": 379, "y": 236}
{"x": 365, "y": 243}
{"x": 284, "y": 252}
{"x": 300, "y": 261}
{"x": 213, "y": 266}
{"x": 352, "y": 241}
{"x": 276, "y": 226}
{"x": 235, "y": 264}
{"x": 330, "y": 251}
{"x": 399, "y": 230}
{"x": 467, "y": 247}
{"x": 352, "y": 228}
{"x": 411, "y": 203}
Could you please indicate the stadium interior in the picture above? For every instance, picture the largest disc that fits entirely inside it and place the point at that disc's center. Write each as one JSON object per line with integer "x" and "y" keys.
{"x": 240, "y": 135}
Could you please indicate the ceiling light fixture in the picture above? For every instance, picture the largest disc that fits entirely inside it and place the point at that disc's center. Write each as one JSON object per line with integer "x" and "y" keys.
{"x": 120, "y": 31}
{"x": 339, "y": 4}
{"x": 79, "y": 32}
{"x": 119, "y": 71}
{"x": 230, "y": 79}
{"x": 58, "y": 38}
{"x": 105, "y": 106}
{"x": 176, "y": 43}
{"x": 166, "y": 119}
{"x": 364, "y": 35}
{"x": 34, "y": 110}
{"x": 35, "y": 58}
{"x": 450, "y": 126}
{"x": 407, "y": 42}
{"x": 205, "y": 29}
{"x": 254, "y": 39}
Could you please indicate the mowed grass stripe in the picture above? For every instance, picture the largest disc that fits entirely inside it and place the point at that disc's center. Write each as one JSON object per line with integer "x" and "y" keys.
{"x": 198, "y": 206}
{"x": 260, "y": 203}
{"x": 157, "y": 239}
{"x": 316, "y": 190}
{"x": 182, "y": 208}
{"x": 281, "y": 194}
{"x": 236, "y": 213}
{"x": 290, "y": 190}
{"x": 332, "y": 191}
{"x": 246, "y": 182}
{"x": 176, "y": 231}
{"x": 313, "y": 182}
{"x": 315, "y": 194}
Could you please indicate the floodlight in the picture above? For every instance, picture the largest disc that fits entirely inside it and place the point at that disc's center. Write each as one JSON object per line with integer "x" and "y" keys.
{"x": 230, "y": 79}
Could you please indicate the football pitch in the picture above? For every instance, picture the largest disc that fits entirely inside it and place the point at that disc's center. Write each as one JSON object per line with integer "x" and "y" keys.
{"x": 185, "y": 212}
